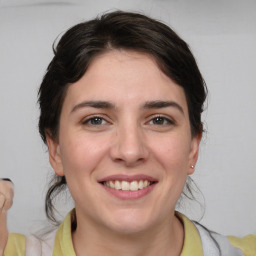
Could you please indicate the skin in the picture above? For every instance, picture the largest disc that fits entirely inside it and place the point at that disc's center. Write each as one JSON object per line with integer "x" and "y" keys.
{"x": 129, "y": 138}
{"x": 6, "y": 200}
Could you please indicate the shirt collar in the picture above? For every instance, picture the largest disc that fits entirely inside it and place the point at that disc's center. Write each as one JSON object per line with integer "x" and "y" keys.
{"x": 63, "y": 245}
{"x": 192, "y": 242}
{"x": 192, "y": 246}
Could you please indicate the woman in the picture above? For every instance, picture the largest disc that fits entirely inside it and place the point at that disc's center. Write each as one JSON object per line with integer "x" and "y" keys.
{"x": 121, "y": 106}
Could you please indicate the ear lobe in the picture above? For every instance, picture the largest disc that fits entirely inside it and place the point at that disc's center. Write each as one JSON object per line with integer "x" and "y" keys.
{"x": 55, "y": 156}
{"x": 193, "y": 155}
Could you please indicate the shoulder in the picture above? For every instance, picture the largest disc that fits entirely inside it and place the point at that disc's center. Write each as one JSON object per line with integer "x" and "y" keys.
{"x": 57, "y": 241}
{"x": 15, "y": 245}
{"x": 229, "y": 245}
{"x": 31, "y": 245}
{"x": 212, "y": 243}
{"x": 247, "y": 244}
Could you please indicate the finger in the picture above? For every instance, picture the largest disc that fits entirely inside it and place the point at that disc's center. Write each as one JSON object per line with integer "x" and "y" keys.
{"x": 3, "y": 232}
{"x": 5, "y": 202}
{"x": 7, "y": 179}
{"x": 7, "y": 205}
{"x": 2, "y": 202}
{"x": 6, "y": 188}
{"x": 6, "y": 195}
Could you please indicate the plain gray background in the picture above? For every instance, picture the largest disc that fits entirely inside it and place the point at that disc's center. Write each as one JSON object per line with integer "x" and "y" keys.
{"x": 222, "y": 36}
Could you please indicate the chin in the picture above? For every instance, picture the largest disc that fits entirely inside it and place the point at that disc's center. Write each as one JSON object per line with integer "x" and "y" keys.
{"x": 130, "y": 222}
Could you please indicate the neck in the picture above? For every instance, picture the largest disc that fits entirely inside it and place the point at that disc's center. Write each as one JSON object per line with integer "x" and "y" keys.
{"x": 165, "y": 239}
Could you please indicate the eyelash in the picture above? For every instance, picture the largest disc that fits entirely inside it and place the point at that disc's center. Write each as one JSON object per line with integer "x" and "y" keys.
{"x": 164, "y": 121}
{"x": 167, "y": 121}
{"x": 91, "y": 118}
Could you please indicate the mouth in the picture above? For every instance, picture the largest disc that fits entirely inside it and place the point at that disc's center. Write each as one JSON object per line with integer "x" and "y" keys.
{"x": 123, "y": 185}
{"x": 128, "y": 187}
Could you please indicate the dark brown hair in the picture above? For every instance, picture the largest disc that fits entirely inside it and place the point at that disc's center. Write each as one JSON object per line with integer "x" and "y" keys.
{"x": 116, "y": 30}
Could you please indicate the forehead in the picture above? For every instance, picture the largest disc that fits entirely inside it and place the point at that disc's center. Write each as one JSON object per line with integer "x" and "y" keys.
{"x": 124, "y": 77}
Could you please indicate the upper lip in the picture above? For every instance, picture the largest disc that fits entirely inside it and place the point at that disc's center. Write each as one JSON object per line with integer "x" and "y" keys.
{"x": 129, "y": 178}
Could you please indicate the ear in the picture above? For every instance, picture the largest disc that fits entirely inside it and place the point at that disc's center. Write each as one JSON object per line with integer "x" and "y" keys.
{"x": 55, "y": 155}
{"x": 193, "y": 154}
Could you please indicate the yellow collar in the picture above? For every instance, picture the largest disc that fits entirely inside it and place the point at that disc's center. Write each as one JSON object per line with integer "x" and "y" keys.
{"x": 192, "y": 243}
{"x": 63, "y": 245}
{"x": 63, "y": 241}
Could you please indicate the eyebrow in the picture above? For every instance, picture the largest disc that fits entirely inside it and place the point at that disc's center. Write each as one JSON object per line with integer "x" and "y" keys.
{"x": 157, "y": 104}
{"x": 162, "y": 104}
{"x": 93, "y": 104}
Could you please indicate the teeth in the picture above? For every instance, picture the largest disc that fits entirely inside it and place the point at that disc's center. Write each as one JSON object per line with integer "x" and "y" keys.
{"x": 118, "y": 185}
{"x": 141, "y": 184}
{"x": 128, "y": 186}
{"x": 134, "y": 186}
{"x": 125, "y": 185}
{"x": 146, "y": 183}
{"x": 112, "y": 184}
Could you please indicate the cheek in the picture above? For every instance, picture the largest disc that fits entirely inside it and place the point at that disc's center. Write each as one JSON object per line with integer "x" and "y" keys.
{"x": 81, "y": 154}
{"x": 172, "y": 153}
{"x": 173, "y": 156}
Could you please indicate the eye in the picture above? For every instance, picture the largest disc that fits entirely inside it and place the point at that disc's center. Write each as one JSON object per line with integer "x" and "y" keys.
{"x": 95, "y": 121}
{"x": 161, "y": 120}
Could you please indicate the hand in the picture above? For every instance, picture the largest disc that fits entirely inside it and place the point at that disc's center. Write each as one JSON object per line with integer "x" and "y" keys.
{"x": 6, "y": 194}
{"x": 6, "y": 200}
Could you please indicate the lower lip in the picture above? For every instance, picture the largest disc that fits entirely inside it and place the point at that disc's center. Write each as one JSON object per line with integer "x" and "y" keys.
{"x": 130, "y": 195}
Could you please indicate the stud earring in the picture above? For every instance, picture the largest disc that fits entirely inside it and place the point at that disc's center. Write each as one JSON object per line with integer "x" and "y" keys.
{"x": 192, "y": 166}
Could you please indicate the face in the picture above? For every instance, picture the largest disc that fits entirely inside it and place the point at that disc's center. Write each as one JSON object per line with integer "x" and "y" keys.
{"x": 124, "y": 145}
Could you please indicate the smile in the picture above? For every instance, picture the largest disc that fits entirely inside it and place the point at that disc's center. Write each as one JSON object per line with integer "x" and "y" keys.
{"x": 128, "y": 186}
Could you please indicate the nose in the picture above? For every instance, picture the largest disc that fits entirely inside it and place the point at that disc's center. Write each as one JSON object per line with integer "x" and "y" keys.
{"x": 129, "y": 146}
